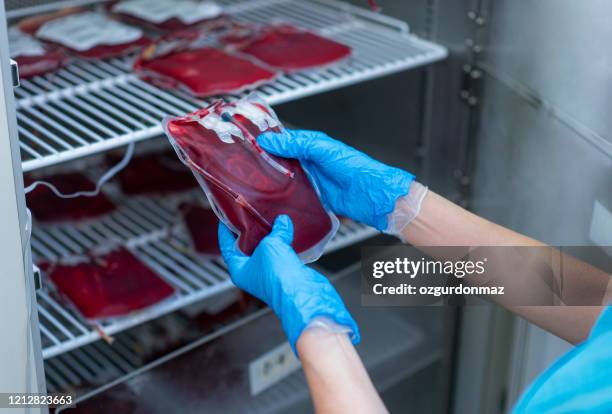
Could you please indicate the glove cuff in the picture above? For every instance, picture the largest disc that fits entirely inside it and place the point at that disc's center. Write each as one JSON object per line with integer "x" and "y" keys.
{"x": 397, "y": 184}
{"x": 407, "y": 208}
{"x": 305, "y": 309}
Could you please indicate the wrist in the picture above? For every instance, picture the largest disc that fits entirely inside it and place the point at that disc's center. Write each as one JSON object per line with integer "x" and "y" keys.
{"x": 299, "y": 310}
{"x": 395, "y": 186}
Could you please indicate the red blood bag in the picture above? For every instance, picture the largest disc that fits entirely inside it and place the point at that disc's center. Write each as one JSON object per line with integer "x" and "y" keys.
{"x": 202, "y": 225}
{"x": 167, "y": 15}
{"x": 32, "y": 56}
{"x": 288, "y": 48}
{"x": 46, "y": 206}
{"x": 88, "y": 34}
{"x": 107, "y": 286}
{"x": 247, "y": 187}
{"x": 203, "y": 71}
{"x": 157, "y": 173}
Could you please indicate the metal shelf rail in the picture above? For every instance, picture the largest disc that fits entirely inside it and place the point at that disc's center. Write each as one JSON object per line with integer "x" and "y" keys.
{"x": 149, "y": 228}
{"x": 89, "y": 107}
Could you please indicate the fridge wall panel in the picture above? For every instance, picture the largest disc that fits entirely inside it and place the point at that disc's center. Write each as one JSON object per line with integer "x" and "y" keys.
{"x": 558, "y": 49}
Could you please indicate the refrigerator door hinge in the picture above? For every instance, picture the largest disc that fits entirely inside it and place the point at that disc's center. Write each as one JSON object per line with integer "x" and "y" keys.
{"x": 37, "y": 275}
{"x": 15, "y": 73}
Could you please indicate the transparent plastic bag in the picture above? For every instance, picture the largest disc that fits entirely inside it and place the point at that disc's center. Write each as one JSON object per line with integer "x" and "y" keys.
{"x": 32, "y": 56}
{"x": 179, "y": 61}
{"x": 155, "y": 173}
{"x": 47, "y": 207}
{"x": 108, "y": 284}
{"x": 247, "y": 187}
{"x": 286, "y": 47}
{"x": 167, "y": 15}
{"x": 87, "y": 34}
{"x": 202, "y": 225}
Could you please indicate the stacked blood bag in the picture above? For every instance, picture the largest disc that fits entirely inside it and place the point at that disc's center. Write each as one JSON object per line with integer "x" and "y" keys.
{"x": 288, "y": 48}
{"x": 203, "y": 71}
{"x": 109, "y": 285}
{"x": 166, "y": 15}
{"x": 157, "y": 173}
{"x": 47, "y": 207}
{"x": 87, "y": 34}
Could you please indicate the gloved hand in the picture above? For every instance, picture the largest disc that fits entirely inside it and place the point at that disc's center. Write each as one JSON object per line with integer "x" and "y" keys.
{"x": 351, "y": 183}
{"x": 275, "y": 275}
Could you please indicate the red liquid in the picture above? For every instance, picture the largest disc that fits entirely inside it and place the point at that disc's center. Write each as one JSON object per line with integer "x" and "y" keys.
{"x": 288, "y": 48}
{"x": 240, "y": 167}
{"x": 109, "y": 286}
{"x": 203, "y": 72}
{"x": 159, "y": 173}
{"x": 38, "y": 65}
{"x": 202, "y": 224}
{"x": 47, "y": 207}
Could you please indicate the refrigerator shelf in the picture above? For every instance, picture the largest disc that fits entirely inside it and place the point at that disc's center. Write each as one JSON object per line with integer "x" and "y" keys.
{"x": 394, "y": 347}
{"x": 97, "y": 364}
{"x": 149, "y": 228}
{"x": 90, "y": 107}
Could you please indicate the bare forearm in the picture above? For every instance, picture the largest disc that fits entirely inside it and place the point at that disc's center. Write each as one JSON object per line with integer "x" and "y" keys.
{"x": 336, "y": 377}
{"x": 442, "y": 223}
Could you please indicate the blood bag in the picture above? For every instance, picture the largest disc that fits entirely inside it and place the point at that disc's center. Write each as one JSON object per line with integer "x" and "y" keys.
{"x": 32, "y": 56}
{"x": 90, "y": 34}
{"x": 247, "y": 187}
{"x": 109, "y": 285}
{"x": 167, "y": 15}
{"x": 203, "y": 71}
{"x": 202, "y": 225}
{"x": 156, "y": 173}
{"x": 46, "y": 206}
{"x": 288, "y": 48}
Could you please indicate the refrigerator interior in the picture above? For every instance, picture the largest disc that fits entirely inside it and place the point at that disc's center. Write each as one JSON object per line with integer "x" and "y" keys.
{"x": 70, "y": 120}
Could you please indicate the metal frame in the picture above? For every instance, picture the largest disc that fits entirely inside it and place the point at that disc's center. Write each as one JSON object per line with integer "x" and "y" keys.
{"x": 149, "y": 228}
{"x": 52, "y": 128}
{"x": 19, "y": 356}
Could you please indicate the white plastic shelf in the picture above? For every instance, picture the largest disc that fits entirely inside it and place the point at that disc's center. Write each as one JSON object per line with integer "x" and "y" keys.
{"x": 151, "y": 229}
{"x": 89, "y": 107}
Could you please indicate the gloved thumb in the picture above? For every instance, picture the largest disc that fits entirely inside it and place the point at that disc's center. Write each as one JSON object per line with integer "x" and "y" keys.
{"x": 229, "y": 250}
{"x": 282, "y": 229}
{"x": 282, "y": 144}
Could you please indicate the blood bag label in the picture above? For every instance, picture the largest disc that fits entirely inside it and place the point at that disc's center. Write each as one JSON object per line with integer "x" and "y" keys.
{"x": 262, "y": 119}
{"x": 158, "y": 11}
{"x": 84, "y": 31}
{"x": 21, "y": 44}
{"x": 271, "y": 368}
{"x": 224, "y": 130}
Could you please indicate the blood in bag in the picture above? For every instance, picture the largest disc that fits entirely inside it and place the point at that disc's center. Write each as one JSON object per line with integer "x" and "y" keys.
{"x": 32, "y": 57}
{"x": 88, "y": 34}
{"x": 289, "y": 48}
{"x": 202, "y": 225}
{"x": 157, "y": 173}
{"x": 167, "y": 15}
{"x": 110, "y": 285}
{"x": 46, "y": 206}
{"x": 247, "y": 187}
{"x": 203, "y": 72}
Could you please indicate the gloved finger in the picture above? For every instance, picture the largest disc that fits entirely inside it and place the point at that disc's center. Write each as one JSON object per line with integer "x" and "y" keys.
{"x": 229, "y": 250}
{"x": 282, "y": 230}
{"x": 304, "y": 145}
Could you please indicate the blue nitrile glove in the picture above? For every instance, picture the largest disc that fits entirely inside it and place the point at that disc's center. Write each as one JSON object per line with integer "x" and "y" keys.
{"x": 275, "y": 275}
{"x": 351, "y": 183}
